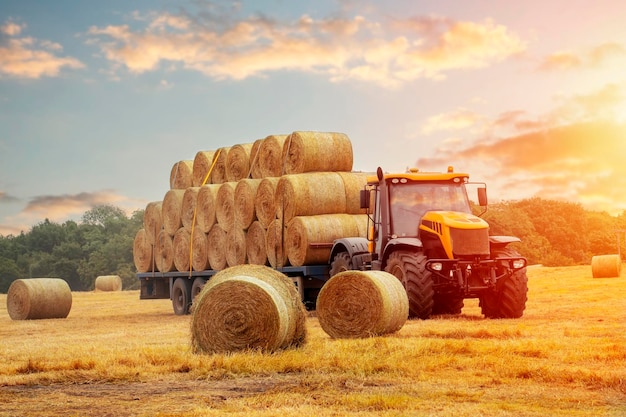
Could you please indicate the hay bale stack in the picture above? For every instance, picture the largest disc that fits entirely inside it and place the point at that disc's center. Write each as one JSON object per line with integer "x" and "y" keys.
{"x": 265, "y": 200}
{"x": 274, "y": 245}
{"x": 225, "y": 205}
{"x": 206, "y": 206}
{"x": 172, "y": 209}
{"x": 181, "y": 175}
{"x": 248, "y": 307}
{"x": 236, "y": 247}
{"x": 238, "y": 162}
{"x": 245, "y": 193}
{"x": 188, "y": 207}
{"x": 353, "y": 183}
{"x": 217, "y": 247}
{"x": 201, "y": 166}
{"x": 153, "y": 220}
{"x": 255, "y": 169}
{"x": 164, "y": 252}
{"x": 256, "y": 252}
{"x": 182, "y": 247}
{"x": 108, "y": 283}
{"x": 317, "y": 152}
{"x": 606, "y": 266}
{"x": 39, "y": 298}
{"x": 309, "y": 238}
{"x": 218, "y": 175}
{"x": 143, "y": 252}
{"x": 354, "y": 304}
{"x": 271, "y": 156}
{"x": 199, "y": 250}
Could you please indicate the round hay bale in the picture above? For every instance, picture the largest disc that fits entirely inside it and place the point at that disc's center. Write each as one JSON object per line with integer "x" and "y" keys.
{"x": 354, "y": 304}
{"x": 188, "y": 207}
{"x": 201, "y": 166}
{"x": 218, "y": 175}
{"x": 225, "y": 205}
{"x": 108, "y": 283}
{"x": 199, "y": 250}
{"x": 274, "y": 245}
{"x": 182, "y": 247}
{"x": 255, "y": 244}
{"x": 164, "y": 252}
{"x": 271, "y": 156}
{"x": 238, "y": 162}
{"x": 317, "y": 152}
{"x": 143, "y": 252}
{"x": 606, "y": 266}
{"x": 245, "y": 193}
{"x": 39, "y": 298}
{"x": 305, "y": 233}
{"x": 309, "y": 194}
{"x": 172, "y": 209}
{"x": 206, "y": 206}
{"x": 217, "y": 247}
{"x": 265, "y": 200}
{"x": 153, "y": 220}
{"x": 353, "y": 183}
{"x": 181, "y": 175}
{"x": 255, "y": 169}
{"x": 236, "y": 247}
{"x": 248, "y": 307}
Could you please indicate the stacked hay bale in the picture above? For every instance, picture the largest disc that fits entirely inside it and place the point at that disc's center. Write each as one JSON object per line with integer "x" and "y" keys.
{"x": 281, "y": 200}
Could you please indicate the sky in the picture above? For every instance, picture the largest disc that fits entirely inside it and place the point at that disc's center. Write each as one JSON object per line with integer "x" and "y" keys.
{"x": 98, "y": 100}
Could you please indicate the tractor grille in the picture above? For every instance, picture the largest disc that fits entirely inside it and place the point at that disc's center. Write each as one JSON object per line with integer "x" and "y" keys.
{"x": 470, "y": 241}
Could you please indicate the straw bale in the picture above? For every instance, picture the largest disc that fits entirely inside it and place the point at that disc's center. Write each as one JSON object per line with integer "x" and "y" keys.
{"x": 317, "y": 152}
{"x": 108, "y": 283}
{"x": 353, "y": 183}
{"x": 217, "y": 247}
{"x": 39, "y": 298}
{"x": 182, "y": 247}
{"x": 164, "y": 252}
{"x": 206, "y": 206}
{"x": 248, "y": 307}
{"x": 218, "y": 175}
{"x": 188, "y": 207}
{"x": 355, "y": 304}
{"x": 181, "y": 175}
{"x": 201, "y": 166}
{"x": 143, "y": 252}
{"x": 271, "y": 156}
{"x": 172, "y": 210}
{"x": 225, "y": 205}
{"x": 606, "y": 266}
{"x": 265, "y": 200}
{"x": 245, "y": 193}
{"x": 236, "y": 247}
{"x": 305, "y": 232}
{"x": 309, "y": 194}
{"x": 255, "y": 169}
{"x": 274, "y": 245}
{"x": 199, "y": 250}
{"x": 153, "y": 220}
{"x": 238, "y": 162}
{"x": 256, "y": 252}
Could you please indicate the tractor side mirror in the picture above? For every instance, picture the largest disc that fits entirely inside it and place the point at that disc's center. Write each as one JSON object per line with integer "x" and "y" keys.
{"x": 482, "y": 196}
{"x": 365, "y": 199}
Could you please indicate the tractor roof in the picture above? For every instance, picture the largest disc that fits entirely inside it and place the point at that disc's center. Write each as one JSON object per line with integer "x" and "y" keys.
{"x": 414, "y": 175}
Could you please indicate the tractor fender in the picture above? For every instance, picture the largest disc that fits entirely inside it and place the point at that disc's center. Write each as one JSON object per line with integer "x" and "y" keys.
{"x": 407, "y": 243}
{"x": 498, "y": 242}
{"x": 352, "y": 245}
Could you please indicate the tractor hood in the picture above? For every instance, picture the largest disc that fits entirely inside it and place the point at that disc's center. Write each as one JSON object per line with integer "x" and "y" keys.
{"x": 460, "y": 234}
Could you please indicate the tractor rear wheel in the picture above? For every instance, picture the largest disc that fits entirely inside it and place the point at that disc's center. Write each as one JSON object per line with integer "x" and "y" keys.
{"x": 410, "y": 269}
{"x": 508, "y": 300}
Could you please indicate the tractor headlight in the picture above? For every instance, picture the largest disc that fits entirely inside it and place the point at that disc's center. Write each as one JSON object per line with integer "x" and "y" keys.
{"x": 436, "y": 266}
{"x": 519, "y": 263}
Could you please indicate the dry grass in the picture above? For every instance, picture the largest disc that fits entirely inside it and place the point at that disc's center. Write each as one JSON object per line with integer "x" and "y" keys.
{"x": 117, "y": 355}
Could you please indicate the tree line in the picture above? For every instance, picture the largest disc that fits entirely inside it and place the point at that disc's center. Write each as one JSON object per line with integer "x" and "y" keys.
{"x": 553, "y": 233}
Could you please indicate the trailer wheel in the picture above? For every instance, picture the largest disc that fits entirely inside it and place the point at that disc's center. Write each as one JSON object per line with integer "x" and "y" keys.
{"x": 341, "y": 262}
{"x": 196, "y": 287}
{"x": 508, "y": 300}
{"x": 181, "y": 296}
{"x": 410, "y": 269}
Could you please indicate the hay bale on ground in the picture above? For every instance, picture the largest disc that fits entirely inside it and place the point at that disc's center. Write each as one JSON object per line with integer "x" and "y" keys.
{"x": 182, "y": 247}
{"x": 206, "y": 206}
{"x": 274, "y": 245}
{"x": 255, "y": 244}
{"x": 164, "y": 252}
{"x": 245, "y": 193}
{"x": 238, "y": 162}
{"x": 188, "y": 206}
{"x": 181, "y": 175}
{"x": 218, "y": 175}
{"x": 355, "y": 304}
{"x": 39, "y": 298}
{"x": 217, "y": 247}
{"x": 606, "y": 266}
{"x": 201, "y": 166}
{"x": 317, "y": 152}
{"x": 265, "y": 200}
{"x": 199, "y": 250}
{"x": 225, "y": 205}
{"x": 172, "y": 209}
{"x": 108, "y": 283}
{"x": 248, "y": 307}
{"x": 153, "y": 220}
{"x": 143, "y": 252}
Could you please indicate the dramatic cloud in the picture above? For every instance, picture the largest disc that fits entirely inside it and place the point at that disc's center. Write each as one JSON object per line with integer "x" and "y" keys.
{"x": 387, "y": 53}
{"x": 28, "y": 57}
{"x": 592, "y": 58}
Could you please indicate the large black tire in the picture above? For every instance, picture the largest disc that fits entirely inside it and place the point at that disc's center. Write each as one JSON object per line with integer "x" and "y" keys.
{"x": 196, "y": 287}
{"x": 181, "y": 296}
{"x": 340, "y": 263}
{"x": 448, "y": 304}
{"x": 508, "y": 300}
{"x": 410, "y": 269}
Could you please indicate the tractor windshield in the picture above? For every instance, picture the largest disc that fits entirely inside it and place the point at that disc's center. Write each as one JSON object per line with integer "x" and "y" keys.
{"x": 411, "y": 200}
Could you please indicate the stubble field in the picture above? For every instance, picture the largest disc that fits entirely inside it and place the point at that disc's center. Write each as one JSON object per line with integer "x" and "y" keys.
{"x": 115, "y": 355}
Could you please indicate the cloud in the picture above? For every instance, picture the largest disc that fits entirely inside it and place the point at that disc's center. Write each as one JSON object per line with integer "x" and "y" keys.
{"x": 7, "y": 198}
{"x": 28, "y": 57}
{"x": 387, "y": 52}
{"x": 591, "y": 58}
{"x": 455, "y": 120}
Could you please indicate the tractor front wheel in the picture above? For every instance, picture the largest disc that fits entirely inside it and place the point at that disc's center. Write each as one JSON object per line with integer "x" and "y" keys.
{"x": 410, "y": 269}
